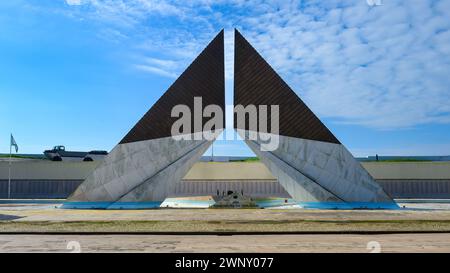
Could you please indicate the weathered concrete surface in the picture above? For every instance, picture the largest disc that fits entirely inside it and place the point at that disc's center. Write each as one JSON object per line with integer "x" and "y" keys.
{"x": 142, "y": 171}
{"x": 300, "y": 187}
{"x": 330, "y": 166}
{"x": 129, "y": 165}
{"x": 232, "y": 244}
{"x": 159, "y": 186}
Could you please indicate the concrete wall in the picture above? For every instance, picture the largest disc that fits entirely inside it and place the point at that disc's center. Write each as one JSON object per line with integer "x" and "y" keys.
{"x": 38, "y": 189}
{"x": 43, "y": 179}
{"x": 408, "y": 170}
{"x": 46, "y": 179}
{"x": 255, "y": 188}
{"x": 417, "y": 188}
{"x": 229, "y": 171}
{"x": 51, "y": 189}
{"x": 48, "y": 170}
{"x": 378, "y": 170}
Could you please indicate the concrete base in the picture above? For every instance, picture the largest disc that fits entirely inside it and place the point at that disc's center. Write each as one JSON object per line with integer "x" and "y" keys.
{"x": 111, "y": 206}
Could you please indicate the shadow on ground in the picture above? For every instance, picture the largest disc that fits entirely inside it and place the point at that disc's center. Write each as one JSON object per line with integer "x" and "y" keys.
{"x": 5, "y": 217}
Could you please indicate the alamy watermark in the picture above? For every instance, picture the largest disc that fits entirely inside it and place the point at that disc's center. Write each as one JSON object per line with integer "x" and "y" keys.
{"x": 74, "y": 246}
{"x": 253, "y": 123}
{"x": 374, "y": 247}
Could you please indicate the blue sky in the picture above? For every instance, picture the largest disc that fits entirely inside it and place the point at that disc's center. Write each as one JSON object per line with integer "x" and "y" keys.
{"x": 82, "y": 72}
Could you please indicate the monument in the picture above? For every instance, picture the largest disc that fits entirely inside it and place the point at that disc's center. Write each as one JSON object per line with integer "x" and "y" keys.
{"x": 308, "y": 160}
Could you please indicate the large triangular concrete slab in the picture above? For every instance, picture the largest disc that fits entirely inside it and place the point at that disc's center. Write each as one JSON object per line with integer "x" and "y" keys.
{"x": 159, "y": 186}
{"x": 299, "y": 186}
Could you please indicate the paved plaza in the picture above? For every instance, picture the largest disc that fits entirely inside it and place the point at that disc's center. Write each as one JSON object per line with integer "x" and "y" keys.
{"x": 227, "y": 244}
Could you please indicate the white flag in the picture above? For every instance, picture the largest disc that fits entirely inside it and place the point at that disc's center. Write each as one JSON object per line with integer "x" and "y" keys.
{"x": 13, "y": 143}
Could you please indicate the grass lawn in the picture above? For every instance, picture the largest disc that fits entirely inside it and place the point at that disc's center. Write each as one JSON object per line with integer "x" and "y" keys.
{"x": 228, "y": 226}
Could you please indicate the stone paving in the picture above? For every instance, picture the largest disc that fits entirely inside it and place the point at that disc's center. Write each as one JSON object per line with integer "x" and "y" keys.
{"x": 239, "y": 243}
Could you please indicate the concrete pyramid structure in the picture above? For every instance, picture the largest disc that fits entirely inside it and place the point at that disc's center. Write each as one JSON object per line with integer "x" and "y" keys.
{"x": 309, "y": 161}
{"x": 145, "y": 166}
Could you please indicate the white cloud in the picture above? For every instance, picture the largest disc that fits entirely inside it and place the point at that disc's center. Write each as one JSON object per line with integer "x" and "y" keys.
{"x": 73, "y": 2}
{"x": 383, "y": 67}
{"x": 166, "y": 68}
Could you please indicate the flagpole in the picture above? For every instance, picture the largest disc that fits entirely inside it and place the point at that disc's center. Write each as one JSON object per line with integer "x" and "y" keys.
{"x": 9, "y": 173}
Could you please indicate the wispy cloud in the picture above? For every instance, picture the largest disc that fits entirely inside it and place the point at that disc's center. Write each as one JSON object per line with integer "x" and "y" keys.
{"x": 166, "y": 68}
{"x": 155, "y": 70}
{"x": 73, "y": 2}
{"x": 383, "y": 67}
